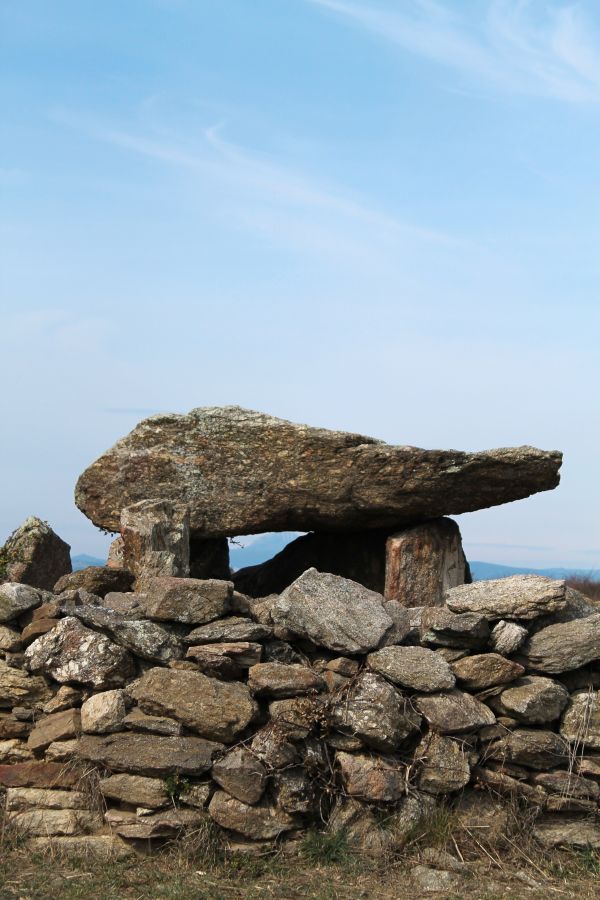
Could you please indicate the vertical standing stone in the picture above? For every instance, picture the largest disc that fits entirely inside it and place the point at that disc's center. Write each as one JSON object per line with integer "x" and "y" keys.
{"x": 423, "y": 562}
{"x": 156, "y": 539}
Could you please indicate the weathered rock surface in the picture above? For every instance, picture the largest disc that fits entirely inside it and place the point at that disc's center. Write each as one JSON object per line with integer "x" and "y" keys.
{"x": 263, "y": 821}
{"x": 444, "y": 765}
{"x": 301, "y": 478}
{"x": 97, "y": 580}
{"x": 564, "y": 646}
{"x": 507, "y": 637}
{"x": 226, "y": 659}
{"x": 10, "y": 639}
{"x": 534, "y": 700}
{"x": 442, "y": 628}
{"x": 73, "y": 653}
{"x": 530, "y": 747}
{"x": 581, "y": 720}
{"x": 150, "y": 793}
{"x": 187, "y": 600}
{"x": 232, "y": 628}
{"x": 164, "y": 823}
{"x": 34, "y": 555}
{"x": 454, "y": 712}
{"x": 147, "y": 640}
{"x": 214, "y": 709}
{"x": 568, "y": 784}
{"x": 156, "y": 539}
{"x": 423, "y": 562}
{"x": 278, "y": 680}
{"x": 38, "y": 775}
{"x": 416, "y": 668}
{"x": 566, "y": 831}
{"x": 104, "y": 712}
{"x": 376, "y": 712}
{"x": 16, "y": 599}
{"x": 485, "y": 670}
{"x": 20, "y": 798}
{"x": 20, "y": 688}
{"x": 517, "y": 597}
{"x": 148, "y": 754}
{"x": 372, "y": 778}
{"x": 56, "y": 727}
{"x": 333, "y": 612}
{"x": 46, "y": 822}
{"x": 241, "y": 774}
{"x": 136, "y": 720}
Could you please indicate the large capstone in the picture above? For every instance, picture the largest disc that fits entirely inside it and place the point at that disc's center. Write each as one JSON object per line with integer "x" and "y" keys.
{"x": 244, "y": 472}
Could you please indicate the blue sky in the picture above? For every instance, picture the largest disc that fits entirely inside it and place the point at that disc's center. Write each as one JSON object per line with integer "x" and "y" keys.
{"x": 375, "y": 216}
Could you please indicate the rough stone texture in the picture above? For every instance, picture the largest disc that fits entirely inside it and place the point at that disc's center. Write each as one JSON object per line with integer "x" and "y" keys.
{"x": 301, "y": 478}
{"x": 73, "y": 653}
{"x": 10, "y": 639}
{"x": 454, "y": 712}
{"x": 376, "y": 712}
{"x": 156, "y": 539}
{"x": 36, "y": 629}
{"x": 165, "y": 823}
{"x": 443, "y": 628}
{"x": 187, "y": 600}
{"x": 262, "y": 821}
{"x": 416, "y": 668}
{"x": 485, "y": 670}
{"x": 530, "y": 747}
{"x": 226, "y": 659}
{"x": 359, "y": 556}
{"x": 273, "y": 745}
{"x": 150, "y": 793}
{"x": 56, "y": 727}
{"x": 147, "y": 640}
{"x": 294, "y": 792}
{"x": 19, "y": 688}
{"x": 116, "y": 553}
{"x": 16, "y": 599}
{"x": 98, "y": 580}
{"x": 423, "y": 562}
{"x": 507, "y": 637}
{"x": 568, "y": 784}
{"x": 34, "y": 555}
{"x": 581, "y": 720}
{"x": 148, "y": 754}
{"x": 241, "y": 774}
{"x": 102, "y": 846}
{"x": 216, "y": 710}
{"x": 444, "y": 765}
{"x": 232, "y": 628}
{"x": 47, "y": 822}
{"x": 278, "y": 680}
{"x": 333, "y": 612}
{"x": 104, "y": 713}
{"x": 38, "y": 775}
{"x": 356, "y": 821}
{"x": 436, "y": 881}
{"x": 517, "y": 597}
{"x": 534, "y": 700}
{"x": 66, "y": 697}
{"x": 136, "y": 720}
{"x": 14, "y": 751}
{"x": 20, "y": 798}
{"x": 371, "y": 778}
{"x": 209, "y": 558}
{"x": 197, "y": 795}
{"x": 564, "y": 646}
{"x": 559, "y": 831}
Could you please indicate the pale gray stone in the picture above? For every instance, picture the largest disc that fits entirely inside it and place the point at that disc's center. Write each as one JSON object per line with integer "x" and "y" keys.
{"x": 416, "y": 668}
{"x": 516, "y": 597}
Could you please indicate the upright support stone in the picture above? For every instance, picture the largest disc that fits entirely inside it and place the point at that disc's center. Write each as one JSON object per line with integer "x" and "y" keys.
{"x": 423, "y": 562}
{"x": 156, "y": 539}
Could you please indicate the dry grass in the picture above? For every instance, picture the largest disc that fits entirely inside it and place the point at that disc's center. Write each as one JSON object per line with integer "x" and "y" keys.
{"x": 586, "y": 584}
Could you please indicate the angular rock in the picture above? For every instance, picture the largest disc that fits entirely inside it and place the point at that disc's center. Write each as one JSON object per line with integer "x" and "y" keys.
{"x": 485, "y": 670}
{"x": 12, "y": 728}
{"x": 333, "y": 612}
{"x": 66, "y": 697}
{"x": 564, "y": 646}
{"x": 18, "y": 687}
{"x": 568, "y": 785}
{"x": 359, "y": 556}
{"x": 165, "y": 823}
{"x": 227, "y": 660}
{"x": 517, "y": 597}
{"x": 416, "y": 668}
{"x": 454, "y": 712}
{"x": 38, "y": 775}
{"x": 57, "y": 727}
{"x": 14, "y": 751}
{"x": 34, "y": 555}
{"x": 21, "y": 798}
{"x": 423, "y": 562}
{"x": 197, "y": 795}
{"x": 148, "y": 754}
{"x": 341, "y": 665}
{"x": 156, "y": 539}
{"x": 116, "y": 554}
{"x": 375, "y": 712}
{"x": 233, "y": 628}
{"x": 36, "y": 629}
{"x": 102, "y": 846}
{"x": 361, "y": 830}
{"x": 534, "y": 700}
{"x": 241, "y": 774}
{"x": 98, "y": 580}
{"x": 73, "y": 653}
{"x": 61, "y": 751}
{"x": 567, "y": 831}
{"x": 48, "y": 822}
{"x": 16, "y": 599}
{"x": 274, "y": 746}
{"x": 147, "y": 640}
{"x": 151, "y": 793}
{"x": 103, "y": 713}
{"x": 530, "y": 747}
{"x": 301, "y": 478}
{"x": 444, "y": 765}
{"x": 278, "y": 680}
{"x": 501, "y": 783}
{"x": 507, "y": 637}
{"x": 214, "y": 709}
{"x": 440, "y": 627}
{"x": 10, "y": 639}
{"x": 371, "y": 778}
{"x": 581, "y": 720}
{"x": 187, "y": 600}
{"x": 299, "y": 714}
{"x": 261, "y": 821}
{"x": 295, "y": 792}
{"x": 136, "y": 720}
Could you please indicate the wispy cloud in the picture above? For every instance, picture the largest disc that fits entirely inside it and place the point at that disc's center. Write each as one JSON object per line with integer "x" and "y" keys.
{"x": 533, "y": 47}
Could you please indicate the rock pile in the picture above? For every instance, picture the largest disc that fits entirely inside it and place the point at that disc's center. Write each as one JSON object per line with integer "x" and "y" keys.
{"x": 141, "y": 697}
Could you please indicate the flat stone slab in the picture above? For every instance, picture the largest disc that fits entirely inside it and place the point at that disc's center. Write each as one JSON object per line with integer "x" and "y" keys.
{"x": 517, "y": 597}
{"x": 244, "y": 472}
